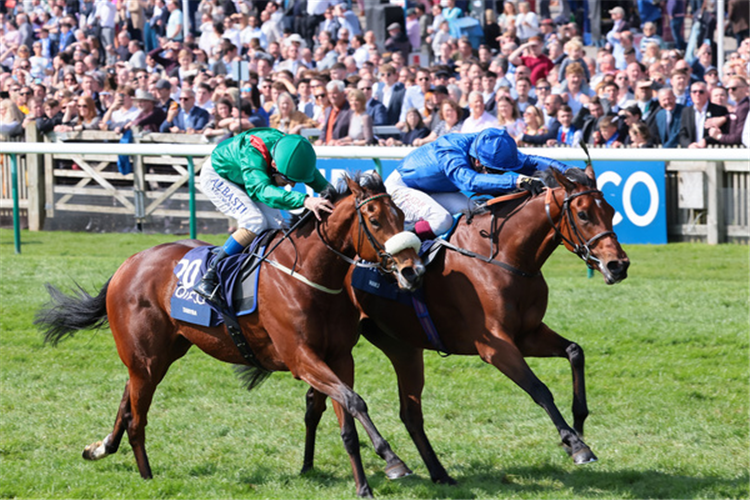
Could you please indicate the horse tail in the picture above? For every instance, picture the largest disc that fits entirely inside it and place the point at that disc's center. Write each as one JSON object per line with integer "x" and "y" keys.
{"x": 251, "y": 376}
{"x": 65, "y": 314}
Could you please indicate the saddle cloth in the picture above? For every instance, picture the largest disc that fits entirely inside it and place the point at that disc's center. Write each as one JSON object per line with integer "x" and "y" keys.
{"x": 238, "y": 282}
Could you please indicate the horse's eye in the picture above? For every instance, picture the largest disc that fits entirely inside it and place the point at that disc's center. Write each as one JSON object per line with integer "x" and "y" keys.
{"x": 374, "y": 223}
{"x": 582, "y": 216}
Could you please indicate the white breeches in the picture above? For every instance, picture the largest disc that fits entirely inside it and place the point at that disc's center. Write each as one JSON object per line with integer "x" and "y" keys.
{"x": 233, "y": 201}
{"x": 436, "y": 208}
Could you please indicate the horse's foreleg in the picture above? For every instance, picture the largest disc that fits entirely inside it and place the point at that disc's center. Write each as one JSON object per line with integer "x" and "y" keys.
{"x": 545, "y": 342}
{"x": 321, "y": 377}
{"x": 350, "y": 439}
{"x": 408, "y": 364}
{"x": 111, "y": 443}
{"x": 508, "y": 359}
{"x": 316, "y": 405}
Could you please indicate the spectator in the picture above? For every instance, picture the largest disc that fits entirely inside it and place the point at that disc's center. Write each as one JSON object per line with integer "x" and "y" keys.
{"x": 527, "y": 22}
{"x": 508, "y": 117}
{"x": 507, "y": 20}
{"x": 666, "y": 127}
{"x": 218, "y": 125}
{"x": 203, "y": 97}
{"x": 644, "y": 98}
{"x": 738, "y": 17}
{"x": 53, "y": 116}
{"x": 478, "y": 119}
{"x": 360, "y": 124}
{"x": 738, "y": 88}
{"x": 391, "y": 93}
{"x": 451, "y": 120}
{"x": 533, "y": 120}
{"x": 104, "y": 14}
{"x": 640, "y": 136}
{"x": 575, "y": 95}
{"x": 676, "y": 11}
{"x": 538, "y": 63}
{"x": 287, "y": 118}
{"x": 374, "y": 108}
{"x": 608, "y": 134}
{"x": 11, "y": 119}
{"x": 397, "y": 41}
{"x": 720, "y": 97}
{"x": 151, "y": 114}
{"x": 121, "y": 112}
{"x": 36, "y": 110}
{"x": 337, "y": 118}
{"x": 415, "y": 130}
{"x": 451, "y": 13}
{"x": 711, "y": 77}
{"x": 163, "y": 91}
{"x": 415, "y": 95}
{"x": 566, "y": 134}
{"x": 649, "y": 37}
{"x": 574, "y": 51}
{"x": 650, "y": 12}
{"x": 187, "y": 118}
{"x": 84, "y": 117}
{"x": 174, "y": 27}
{"x": 697, "y": 119}
{"x": 701, "y": 63}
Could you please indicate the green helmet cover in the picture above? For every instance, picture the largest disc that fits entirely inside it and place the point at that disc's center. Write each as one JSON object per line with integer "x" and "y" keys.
{"x": 295, "y": 158}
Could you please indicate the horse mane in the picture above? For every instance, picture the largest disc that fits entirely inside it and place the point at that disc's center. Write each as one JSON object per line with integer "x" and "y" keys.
{"x": 574, "y": 174}
{"x": 370, "y": 182}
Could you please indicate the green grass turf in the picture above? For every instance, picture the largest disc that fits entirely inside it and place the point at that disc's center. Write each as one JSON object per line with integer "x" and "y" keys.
{"x": 667, "y": 376}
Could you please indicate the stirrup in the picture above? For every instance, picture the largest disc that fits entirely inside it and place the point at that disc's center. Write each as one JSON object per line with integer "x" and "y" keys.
{"x": 207, "y": 287}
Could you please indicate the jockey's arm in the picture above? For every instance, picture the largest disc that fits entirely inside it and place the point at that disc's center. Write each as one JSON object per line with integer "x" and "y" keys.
{"x": 532, "y": 163}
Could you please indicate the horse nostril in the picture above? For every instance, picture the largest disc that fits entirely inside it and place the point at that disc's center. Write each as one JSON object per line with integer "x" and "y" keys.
{"x": 618, "y": 267}
{"x": 411, "y": 275}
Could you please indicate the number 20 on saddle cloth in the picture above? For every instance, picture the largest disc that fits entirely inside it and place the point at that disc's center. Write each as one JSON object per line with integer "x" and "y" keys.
{"x": 236, "y": 284}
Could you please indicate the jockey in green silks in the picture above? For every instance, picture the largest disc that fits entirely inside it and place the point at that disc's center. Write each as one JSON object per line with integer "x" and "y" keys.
{"x": 245, "y": 178}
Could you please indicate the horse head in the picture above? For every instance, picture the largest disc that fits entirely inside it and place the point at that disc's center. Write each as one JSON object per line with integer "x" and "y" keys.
{"x": 585, "y": 224}
{"x": 379, "y": 236}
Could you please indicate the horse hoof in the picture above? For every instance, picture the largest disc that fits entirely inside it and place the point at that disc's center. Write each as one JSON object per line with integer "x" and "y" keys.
{"x": 584, "y": 456}
{"x": 445, "y": 480}
{"x": 96, "y": 451}
{"x": 397, "y": 471}
{"x": 365, "y": 492}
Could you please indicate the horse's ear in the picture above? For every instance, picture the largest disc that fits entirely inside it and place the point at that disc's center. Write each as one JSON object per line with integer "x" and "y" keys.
{"x": 562, "y": 180}
{"x": 376, "y": 177}
{"x": 590, "y": 173}
{"x": 354, "y": 187}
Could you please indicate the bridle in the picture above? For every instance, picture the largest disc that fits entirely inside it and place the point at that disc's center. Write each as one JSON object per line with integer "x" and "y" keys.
{"x": 395, "y": 244}
{"x": 581, "y": 246}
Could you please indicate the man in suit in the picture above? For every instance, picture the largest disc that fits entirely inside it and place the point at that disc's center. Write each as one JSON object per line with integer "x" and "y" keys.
{"x": 188, "y": 118}
{"x": 374, "y": 108}
{"x": 666, "y": 125}
{"x": 336, "y": 124}
{"x": 737, "y": 86}
{"x": 392, "y": 93}
{"x": 697, "y": 119}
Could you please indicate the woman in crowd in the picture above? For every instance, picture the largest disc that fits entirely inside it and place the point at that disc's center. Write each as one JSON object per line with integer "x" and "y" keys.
{"x": 415, "y": 130}
{"x": 507, "y": 20}
{"x": 287, "y": 118}
{"x": 221, "y": 116}
{"x": 533, "y": 119}
{"x": 80, "y": 114}
{"x": 451, "y": 118}
{"x": 640, "y": 136}
{"x": 10, "y": 119}
{"x": 360, "y": 126}
{"x": 508, "y": 117}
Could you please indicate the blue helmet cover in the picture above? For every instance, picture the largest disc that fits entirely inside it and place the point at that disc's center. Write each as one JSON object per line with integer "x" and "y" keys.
{"x": 495, "y": 148}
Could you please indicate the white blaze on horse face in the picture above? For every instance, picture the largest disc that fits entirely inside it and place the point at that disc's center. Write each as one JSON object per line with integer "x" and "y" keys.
{"x": 598, "y": 203}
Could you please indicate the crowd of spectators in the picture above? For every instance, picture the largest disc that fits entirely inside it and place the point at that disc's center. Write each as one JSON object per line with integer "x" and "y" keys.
{"x": 71, "y": 65}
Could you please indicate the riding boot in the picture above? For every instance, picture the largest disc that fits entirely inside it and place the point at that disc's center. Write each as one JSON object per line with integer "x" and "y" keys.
{"x": 209, "y": 283}
{"x": 423, "y": 230}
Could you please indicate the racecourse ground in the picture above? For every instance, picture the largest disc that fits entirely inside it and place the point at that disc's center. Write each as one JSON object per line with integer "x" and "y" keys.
{"x": 667, "y": 375}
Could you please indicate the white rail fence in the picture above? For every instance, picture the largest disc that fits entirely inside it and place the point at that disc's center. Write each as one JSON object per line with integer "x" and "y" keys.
{"x": 162, "y": 182}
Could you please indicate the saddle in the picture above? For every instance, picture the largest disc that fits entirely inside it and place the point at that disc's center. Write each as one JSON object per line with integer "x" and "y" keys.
{"x": 238, "y": 283}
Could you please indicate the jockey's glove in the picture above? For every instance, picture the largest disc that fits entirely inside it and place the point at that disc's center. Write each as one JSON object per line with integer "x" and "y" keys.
{"x": 531, "y": 184}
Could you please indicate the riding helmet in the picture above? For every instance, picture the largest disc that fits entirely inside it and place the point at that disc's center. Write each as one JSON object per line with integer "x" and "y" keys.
{"x": 295, "y": 158}
{"x": 495, "y": 148}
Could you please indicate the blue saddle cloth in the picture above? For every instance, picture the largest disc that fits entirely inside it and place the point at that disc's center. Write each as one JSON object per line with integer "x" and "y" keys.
{"x": 237, "y": 284}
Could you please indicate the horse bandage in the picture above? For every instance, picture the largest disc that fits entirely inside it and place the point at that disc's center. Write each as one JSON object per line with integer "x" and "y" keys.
{"x": 402, "y": 241}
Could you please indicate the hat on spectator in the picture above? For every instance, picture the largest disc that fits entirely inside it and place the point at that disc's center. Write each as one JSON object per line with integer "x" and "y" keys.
{"x": 295, "y": 38}
{"x": 163, "y": 84}
{"x": 548, "y": 21}
{"x": 618, "y": 10}
{"x": 394, "y": 26}
{"x": 440, "y": 89}
{"x": 442, "y": 74}
{"x": 411, "y": 11}
{"x": 711, "y": 69}
{"x": 645, "y": 83}
{"x": 142, "y": 95}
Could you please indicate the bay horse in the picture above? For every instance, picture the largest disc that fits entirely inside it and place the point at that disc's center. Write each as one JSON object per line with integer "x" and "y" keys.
{"x": 487, "y": 297}
{"x": 297, "y": 327}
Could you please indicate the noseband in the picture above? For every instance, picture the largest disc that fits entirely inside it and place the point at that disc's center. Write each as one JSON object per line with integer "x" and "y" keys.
{"x": 395, "y": 244}
{"x": 581, "y": 247}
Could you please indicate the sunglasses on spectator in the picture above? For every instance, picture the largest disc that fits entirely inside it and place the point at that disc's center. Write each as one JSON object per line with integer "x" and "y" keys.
{"x": 733, "y": 88}
{"x": 698, "y": 91}
{"x": 423, "y": 79}
{"x": 366, "y": 88}
{"x": 29, "y": 93}
{"x": 320, "y": 96}
{"x": 184, "y": 98}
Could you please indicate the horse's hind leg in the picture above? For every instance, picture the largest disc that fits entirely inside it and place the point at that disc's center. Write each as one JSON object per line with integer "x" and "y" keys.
{"x": 545, "y": 342}
{"x": 508, "y": 359}
{"x": 111, "y": 443}
{"x": 408, "y": 363}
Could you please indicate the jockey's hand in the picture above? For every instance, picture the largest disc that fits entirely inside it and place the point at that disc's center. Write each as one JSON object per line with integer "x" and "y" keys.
{"x": 530, "y": 184}
{"x": 318, "y": 206}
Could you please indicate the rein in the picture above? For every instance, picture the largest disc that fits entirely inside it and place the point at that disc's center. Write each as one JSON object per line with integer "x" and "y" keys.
{"x": 582, "y": 248}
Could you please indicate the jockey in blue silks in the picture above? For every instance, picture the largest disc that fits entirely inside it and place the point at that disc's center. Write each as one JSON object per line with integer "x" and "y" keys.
{"x": 427, "y": 184}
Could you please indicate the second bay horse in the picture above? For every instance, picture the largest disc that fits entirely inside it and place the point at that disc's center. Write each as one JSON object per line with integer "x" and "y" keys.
{"x": 486, "y": 296}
